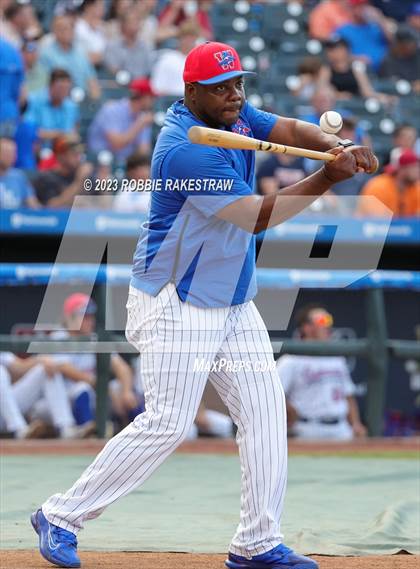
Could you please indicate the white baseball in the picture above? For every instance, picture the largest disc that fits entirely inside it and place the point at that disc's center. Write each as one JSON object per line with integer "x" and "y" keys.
{"x": 331, "y": 122}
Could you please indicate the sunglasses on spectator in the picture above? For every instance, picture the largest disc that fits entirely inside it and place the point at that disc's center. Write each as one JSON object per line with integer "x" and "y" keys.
{"x": 322, "y": 320}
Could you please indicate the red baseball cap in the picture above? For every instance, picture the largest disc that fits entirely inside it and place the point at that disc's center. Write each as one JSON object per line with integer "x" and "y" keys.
{"x": 79, "y": 303}
{"x": 212, "y": 62}
{"x": 407, "y": 157}
{"x": 141, "y": 86}
{"x": 357, "y": 2}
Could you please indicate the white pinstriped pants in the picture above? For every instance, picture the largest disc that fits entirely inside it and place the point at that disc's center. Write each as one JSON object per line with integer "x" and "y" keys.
{"x": 170, "y": 335}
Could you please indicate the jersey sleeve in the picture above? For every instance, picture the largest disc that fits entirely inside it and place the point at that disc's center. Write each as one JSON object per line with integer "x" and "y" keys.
{"x": 261, "y": 122}
{"x": 215, "y": 182}
{"x": 285, "y": 371}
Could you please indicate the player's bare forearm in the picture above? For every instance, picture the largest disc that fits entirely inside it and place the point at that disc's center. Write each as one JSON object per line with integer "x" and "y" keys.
{"x": 256, "y": 213}
{"x": 122, "y": 372}
{"x": 294, "y": 132}
{"x": 71, "y": 372}
{"x": 291, "y": 200}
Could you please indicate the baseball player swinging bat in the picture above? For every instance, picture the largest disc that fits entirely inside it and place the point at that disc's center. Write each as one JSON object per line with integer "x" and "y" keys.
{"x": 191, "y": 293}
{"x": 226, "y": 139}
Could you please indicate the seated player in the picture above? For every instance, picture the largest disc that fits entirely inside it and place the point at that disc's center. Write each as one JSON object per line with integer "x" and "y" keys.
{"x": 28, "y": 384}
{"x": 79, "y": 370}
{"x": 319, "y": 391}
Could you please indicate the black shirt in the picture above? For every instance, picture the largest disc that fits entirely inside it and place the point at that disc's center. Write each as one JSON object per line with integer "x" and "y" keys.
{"x": 51, "y": 184}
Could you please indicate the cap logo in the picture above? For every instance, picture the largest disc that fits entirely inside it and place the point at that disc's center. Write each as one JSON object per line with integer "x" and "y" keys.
{"x": 225, "y": 59}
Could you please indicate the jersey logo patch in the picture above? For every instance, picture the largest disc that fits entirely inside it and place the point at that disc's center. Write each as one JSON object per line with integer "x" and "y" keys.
{"x": 225, "y": 59}
{"x": 240, "y": 128}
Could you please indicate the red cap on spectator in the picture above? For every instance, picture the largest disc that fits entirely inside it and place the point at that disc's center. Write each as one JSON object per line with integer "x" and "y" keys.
{"x": 212, "y": 62}
{"x": 79, "y": 303}
{"x": 356, "y": 2}
{"x": 407, "y": 157}
{"x": 142, "y": 86}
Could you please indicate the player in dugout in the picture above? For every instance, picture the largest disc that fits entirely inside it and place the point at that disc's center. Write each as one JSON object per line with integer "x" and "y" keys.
{"x": 195, "y": 299}
{"x": 319, "y": 390}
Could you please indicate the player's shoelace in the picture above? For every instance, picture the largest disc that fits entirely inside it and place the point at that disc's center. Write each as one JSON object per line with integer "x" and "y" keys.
{"x": 64, "y": 536}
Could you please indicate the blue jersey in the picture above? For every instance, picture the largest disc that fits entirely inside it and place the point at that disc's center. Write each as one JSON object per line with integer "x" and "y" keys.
{"x": 211, "y": 261}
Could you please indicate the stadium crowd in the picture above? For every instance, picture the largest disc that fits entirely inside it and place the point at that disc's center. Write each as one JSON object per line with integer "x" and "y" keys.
{"x": 83, "y": 88}
{"x": 83, "y": 84}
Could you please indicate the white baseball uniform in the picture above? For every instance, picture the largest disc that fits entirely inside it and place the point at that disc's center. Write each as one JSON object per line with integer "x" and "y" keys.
{"x": 318, "y": 387}
{"x": 35, "y": 388}
{"x": 190, "y": 299}
{"x": 170, "y": 334}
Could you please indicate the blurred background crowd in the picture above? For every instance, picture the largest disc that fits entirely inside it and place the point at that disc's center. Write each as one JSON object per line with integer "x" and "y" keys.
{"x": 84, "y": 85}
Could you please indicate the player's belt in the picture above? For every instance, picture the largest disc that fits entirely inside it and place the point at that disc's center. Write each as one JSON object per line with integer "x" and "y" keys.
{"x": 322, "y": 420}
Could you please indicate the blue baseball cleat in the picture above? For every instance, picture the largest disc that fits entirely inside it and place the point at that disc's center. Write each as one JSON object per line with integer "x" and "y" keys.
{"x": 281, "y": 557}
{"x": 57, "y": 545}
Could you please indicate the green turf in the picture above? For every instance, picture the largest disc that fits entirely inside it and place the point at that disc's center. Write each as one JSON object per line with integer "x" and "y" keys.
{"x": 333, "y": 506}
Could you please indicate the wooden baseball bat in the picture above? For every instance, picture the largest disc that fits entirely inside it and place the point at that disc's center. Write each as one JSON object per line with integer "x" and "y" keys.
{"x": 225, "y": 139}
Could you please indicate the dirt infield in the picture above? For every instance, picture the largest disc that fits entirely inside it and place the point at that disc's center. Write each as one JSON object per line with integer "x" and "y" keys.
{"x": 203, "y": 445}
{"x": 93, "y": 560}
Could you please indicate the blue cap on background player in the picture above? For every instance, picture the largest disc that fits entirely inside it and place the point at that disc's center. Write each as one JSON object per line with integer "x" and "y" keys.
{"x": 212, "y": 62}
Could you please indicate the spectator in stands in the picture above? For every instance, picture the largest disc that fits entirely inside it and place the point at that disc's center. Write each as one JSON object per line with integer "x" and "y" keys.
{"x": 398, "y": 190}
{"x": 57, "y": 188}
{"x": 413, "y": 20}
{"x": 64, "y": 53}
{"x": 175, "y": 13}
{"x": 128, "y": 52}
{"x": 89, "y": 30}
{"x": 137, "y": 169}
{"x": 278, "y": 171}
{"x": 348, "y": 77}
{"x": 406, "y": 137}
{"x": 324, "y": 99}
{"x": 27, "y": 144}
{"x": 52, "y": 110}
{"x": 345, "y": 192}
{"x": 123, "y": 126}
{"x": 116, "y": 11}
{"x": 309, "y": 75}
{"x": 149, "y": 25}
{"x": 33, "y": 387}
{"x": 167, "y": 72}
{"x": 327, "y": 16}
{"x": 369, "y": 33}
{"x": 403, "y": 60}
{"x": 319, "y": 391}
{"x": 11, "y": 87}
{"x": 19, "y": 22}
{"x": 36, "y": 75}
{"x": 15, "y": 188}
